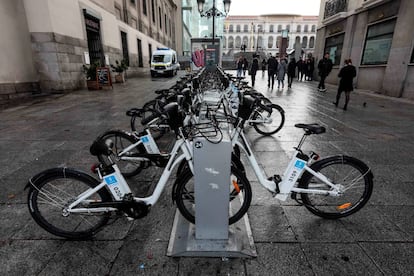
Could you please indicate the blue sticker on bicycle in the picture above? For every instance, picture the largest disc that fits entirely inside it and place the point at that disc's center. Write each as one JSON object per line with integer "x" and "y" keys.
{"x": 110, "y": 180}
{"x": 144, "y": 139}
{"x": 299, "y": 164}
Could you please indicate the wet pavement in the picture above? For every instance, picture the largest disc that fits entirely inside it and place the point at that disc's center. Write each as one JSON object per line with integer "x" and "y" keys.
{"x": 58, "y": 130}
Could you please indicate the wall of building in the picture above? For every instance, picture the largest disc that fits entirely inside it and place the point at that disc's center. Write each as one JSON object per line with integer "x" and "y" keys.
{"x": 394, "y": 78}
{"x": 18, "y": 77}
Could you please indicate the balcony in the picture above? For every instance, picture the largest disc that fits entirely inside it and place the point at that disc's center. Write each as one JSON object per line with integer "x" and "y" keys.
{"x": 373, "y": 3}
{"x": 335, "y": 10}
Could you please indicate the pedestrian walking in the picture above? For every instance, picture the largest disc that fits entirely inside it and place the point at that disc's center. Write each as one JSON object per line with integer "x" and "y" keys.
{"x": 291, "y": 71}
{"x": 301, "y": 68}
{"x": 347, "y": 75}
{"x": 239, "y": 66}
{"x": 253, "y": 69}
{"x": 263, "y": 67}
{"x": 271, "y": 70}
{"x": 245, "y": 66}
{"x": 324, "y": 67}
{"x": 281, "y": 72}
{"x": 310, "y": 69}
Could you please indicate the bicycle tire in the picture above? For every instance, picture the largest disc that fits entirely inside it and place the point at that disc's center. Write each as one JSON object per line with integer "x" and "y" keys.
{"x": 350, "y": 171}
{"x": 277, "y": 115}
{"x": 184, "y": 196}
{"x": 54, "y": 189}
{"x": 121, "y": 140}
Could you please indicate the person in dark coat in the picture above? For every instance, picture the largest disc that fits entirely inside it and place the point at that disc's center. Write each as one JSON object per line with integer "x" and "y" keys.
{"x": 245, "y": 66}
{"x": 347, "y": 75}
{"x": 271, "y": 70}
{"x": 239, "y": 66}
{"x": 310, "y": 69}
{"x": 291, "y": 71}
{"x": 263, "y": 67}
{"x": 324, "y": 67}
{"x": 301, "y": 68}
{"x": 253, "y": 69}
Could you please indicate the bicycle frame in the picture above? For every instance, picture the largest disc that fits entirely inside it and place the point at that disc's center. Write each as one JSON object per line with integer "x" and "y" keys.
{"x": 122, "y": 188}
{"x": 287, "y": 185}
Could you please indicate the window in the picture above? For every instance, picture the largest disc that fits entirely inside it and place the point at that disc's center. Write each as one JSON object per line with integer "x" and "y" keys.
{"x": 238, "y": 29}
{"x": 231, "y": 42}
{"x": 245, "y": 28}
{"x": 278, "y": 41}
{"x": 298, "y": 29}
{"x": 134, "y": 23}
{"x": 279, "y": 28}
{"x": 333, "y": 46}
{"x": 124, "y": 42}
{"x": 312, "y": 42}
{"x": 378, "y": 43}
{"x": 160, "y": 16}
{"x": 118, "y": 13}
{"x": 224, "y": 42}
{"x": 271, "y": 29}
{"x": 412, "y": 57}
{"x": 150, "y": 52}
{"x": 140, "y": 60}
{"x": 305, "y": 42}
{"x": 306, "y": 28}
{"x": 165, "y": 23}
{"x": 153, "y": 10}
{"x": 144, "y": 7}
{"x": 288, "y": 27}
{"x": 238, "y": 41}
{"x": 259, "y": 28}
{"x": 245, "y": 40}
{"x": 270, "y": 42}
{"x": 231, "y": 29}
{"x": 313, "y": 28}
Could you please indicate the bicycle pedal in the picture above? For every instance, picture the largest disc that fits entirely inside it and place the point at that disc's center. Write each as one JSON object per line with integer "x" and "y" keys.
{"x": 277, "y": 179}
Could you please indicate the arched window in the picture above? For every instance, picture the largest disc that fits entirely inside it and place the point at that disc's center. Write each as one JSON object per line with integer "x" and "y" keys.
{"x": 245, "y": 28}
{"x": 245, "y": 41}
{"x": 306, "y": 28}
{"x": 231, "y": 42}
{"x": 238, "y": 29}
{"x": 312, "y": 42}
{"x": 238, "y": 41}
{"x": 231, "y": 29}
{"x": 298, "y": 28}
{"x": 313, "y": 28}
{"x": 259, "y": 42}
{"x": 270, "y": 42}
{"x": 224, "y": 42}
{"x": 305, "y": 42}
{"x": 279, "y": 28}
{"x": 297, "y": 39}
{"x": 271, "y": 28}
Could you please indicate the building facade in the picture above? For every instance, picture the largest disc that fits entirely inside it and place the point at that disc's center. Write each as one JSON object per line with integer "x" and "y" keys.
{"x": 264, "y": 33}
{"x": 377, "y": 36}
{"x": 45, "y": 42}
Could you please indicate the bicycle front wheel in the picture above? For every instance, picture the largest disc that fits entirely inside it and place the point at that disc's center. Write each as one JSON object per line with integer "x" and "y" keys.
{"x": 50, "y": 194}
{"x": 240, "y": 195}
{"x": 353, "y": 177}
{"x": 120, "y": 141}
{"x": 276, "y": 115}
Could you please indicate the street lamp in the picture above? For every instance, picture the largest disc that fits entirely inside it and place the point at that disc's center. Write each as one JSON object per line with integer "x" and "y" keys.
{"x": 213, "y": 12}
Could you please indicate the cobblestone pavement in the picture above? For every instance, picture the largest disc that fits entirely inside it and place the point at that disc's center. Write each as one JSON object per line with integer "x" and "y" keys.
{"x": 57, "y": 131}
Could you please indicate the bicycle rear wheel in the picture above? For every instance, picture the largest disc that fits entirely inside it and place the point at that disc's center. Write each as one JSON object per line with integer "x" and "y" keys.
{"x": 351, "y": 174}
{"x": 121, "y": 140}
{"x": 277, "y": 115}
{"x": 50, "y": 194}
{"x": 240, "y": 195}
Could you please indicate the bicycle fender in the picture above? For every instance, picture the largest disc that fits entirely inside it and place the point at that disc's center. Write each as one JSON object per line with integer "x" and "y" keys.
{"x": 34, "y": 180}
{"x": 318, "y": 164}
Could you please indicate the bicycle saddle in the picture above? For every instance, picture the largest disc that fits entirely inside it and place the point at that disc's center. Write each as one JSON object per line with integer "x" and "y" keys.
{"x": 312, "y": 128}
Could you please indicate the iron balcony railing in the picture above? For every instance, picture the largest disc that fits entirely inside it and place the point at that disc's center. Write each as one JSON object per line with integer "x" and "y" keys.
{"x": 333, "y": 7}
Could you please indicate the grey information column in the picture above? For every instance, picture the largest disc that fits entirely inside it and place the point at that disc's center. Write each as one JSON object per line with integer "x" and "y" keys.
{"x": 212, "y": 179}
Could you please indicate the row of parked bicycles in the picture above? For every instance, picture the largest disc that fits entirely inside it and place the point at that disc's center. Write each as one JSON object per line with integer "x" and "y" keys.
{"x": 75, "y": 205}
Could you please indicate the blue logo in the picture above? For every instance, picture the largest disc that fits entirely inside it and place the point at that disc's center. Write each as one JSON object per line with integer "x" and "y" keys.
{"x": 299, "y": 164}
{"x": 144, "y": 139}
{"x": 110, "y": 180}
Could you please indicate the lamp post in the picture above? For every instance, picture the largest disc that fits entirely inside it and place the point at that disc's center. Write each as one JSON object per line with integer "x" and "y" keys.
{"x": 213, "y": 12}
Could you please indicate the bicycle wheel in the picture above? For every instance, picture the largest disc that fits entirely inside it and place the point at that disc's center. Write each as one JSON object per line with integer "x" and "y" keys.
{"x": 240, "y": 196}
{"x": 122, "y": 140}
{"x": 157, "y": 130}
{"x": 353, "y": 177}
{"x": 50, "y": 194}
{"x": 277, "y": 115}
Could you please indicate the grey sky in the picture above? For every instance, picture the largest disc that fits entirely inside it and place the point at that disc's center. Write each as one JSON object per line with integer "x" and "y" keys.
{"x": 257, "y": 7}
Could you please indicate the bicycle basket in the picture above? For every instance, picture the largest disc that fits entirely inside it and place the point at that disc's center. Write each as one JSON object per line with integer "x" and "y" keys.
{"x": 245, "y": 107}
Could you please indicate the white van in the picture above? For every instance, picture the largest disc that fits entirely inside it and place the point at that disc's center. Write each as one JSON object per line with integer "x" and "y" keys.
{"x": 164, "y": 61}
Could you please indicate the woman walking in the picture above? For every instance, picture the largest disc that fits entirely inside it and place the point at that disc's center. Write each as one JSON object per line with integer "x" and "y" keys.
{"x": 253, "y": 69}
{"x": 291, "y": 71}
{"x": 347, "y": 75}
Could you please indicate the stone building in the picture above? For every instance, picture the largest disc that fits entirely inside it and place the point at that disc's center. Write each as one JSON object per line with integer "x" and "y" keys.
{"x": 377, "y": 36}
{"x": 264, "y": 33}
{"x": 45, "y": 42}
